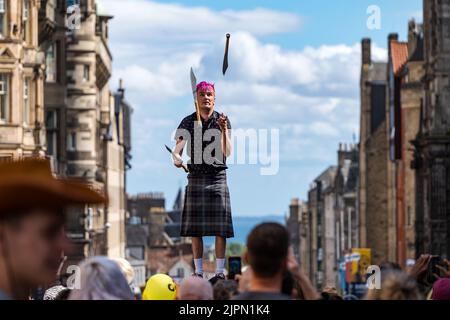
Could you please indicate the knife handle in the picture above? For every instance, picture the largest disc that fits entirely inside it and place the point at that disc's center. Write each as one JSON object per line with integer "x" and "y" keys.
{"x": 197, "y": 110}
{"x": 185, "y": 168}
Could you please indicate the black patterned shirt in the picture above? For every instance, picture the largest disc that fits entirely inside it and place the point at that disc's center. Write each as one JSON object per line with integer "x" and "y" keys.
{"x": 196, "y": 163}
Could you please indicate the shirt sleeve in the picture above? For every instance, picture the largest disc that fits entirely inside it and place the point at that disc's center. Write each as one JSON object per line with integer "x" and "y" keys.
{"x": 182, "y": 132}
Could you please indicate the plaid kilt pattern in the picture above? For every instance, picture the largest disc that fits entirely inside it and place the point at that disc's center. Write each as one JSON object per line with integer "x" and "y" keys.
{"x": 207, "y": 208}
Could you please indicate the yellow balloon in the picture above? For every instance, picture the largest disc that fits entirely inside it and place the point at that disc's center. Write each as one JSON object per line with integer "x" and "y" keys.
{"x": 159, "y": 287}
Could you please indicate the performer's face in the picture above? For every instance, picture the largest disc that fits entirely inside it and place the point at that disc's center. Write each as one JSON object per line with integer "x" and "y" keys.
{"x": 206, "y": 99}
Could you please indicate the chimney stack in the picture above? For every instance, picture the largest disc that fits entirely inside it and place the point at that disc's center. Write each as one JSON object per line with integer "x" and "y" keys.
{"x": 366, "y": 51}
{"x": 121, "y": 89}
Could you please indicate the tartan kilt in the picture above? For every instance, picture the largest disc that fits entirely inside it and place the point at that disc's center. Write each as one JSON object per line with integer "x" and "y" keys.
{"x": 207, "y": 208}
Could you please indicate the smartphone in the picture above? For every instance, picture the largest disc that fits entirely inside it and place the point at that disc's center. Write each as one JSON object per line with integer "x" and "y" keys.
{"x": 434, "y": 261}
{"x": 234, "y": 267}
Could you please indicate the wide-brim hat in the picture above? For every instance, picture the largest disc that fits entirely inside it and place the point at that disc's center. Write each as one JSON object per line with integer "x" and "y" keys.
{"x": 29, "y": 183}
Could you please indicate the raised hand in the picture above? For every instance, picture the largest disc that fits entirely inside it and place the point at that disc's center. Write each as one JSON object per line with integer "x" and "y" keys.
{"x": 419, "y": 270}
{"x": 445, "y": 271}
{"x": 223, "y": 122}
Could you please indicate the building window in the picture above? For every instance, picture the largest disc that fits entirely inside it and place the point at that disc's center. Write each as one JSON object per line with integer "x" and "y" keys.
{"x": 26, "y": 101}
{"x": 26, "y": 20}
{"x": 4, "y": 158}
{"x": 73, "y": 3}
{"x": 2, "y": 18}
{"x": 25, "y": 10}
{"x": 4, "y": 97}
{"x": 86, "y": 71}
{"x": 51, "y": 125}
{"x": 72, "y": 141}
{"x": 135, "y": 220}
{"x": 51, "y": 63}
{"x": 135, "y": 252}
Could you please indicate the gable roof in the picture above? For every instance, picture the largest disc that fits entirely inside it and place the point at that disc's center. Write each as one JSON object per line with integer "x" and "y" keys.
{"x": 399, "y": 55}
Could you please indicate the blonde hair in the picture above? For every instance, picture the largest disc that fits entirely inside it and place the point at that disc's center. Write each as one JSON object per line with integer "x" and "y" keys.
{"x": 395, "y": 285}
{"x": 126, "y": 268}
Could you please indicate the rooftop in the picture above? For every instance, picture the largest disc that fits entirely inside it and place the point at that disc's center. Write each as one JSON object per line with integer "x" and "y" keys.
{"x": 399, "y": 55}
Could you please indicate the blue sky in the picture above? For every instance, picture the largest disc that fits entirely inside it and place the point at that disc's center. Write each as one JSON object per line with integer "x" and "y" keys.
{"x": 294, "y": 67}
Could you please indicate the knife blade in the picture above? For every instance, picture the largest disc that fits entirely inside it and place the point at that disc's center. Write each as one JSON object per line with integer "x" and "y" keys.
{"x": 194, "y": 94}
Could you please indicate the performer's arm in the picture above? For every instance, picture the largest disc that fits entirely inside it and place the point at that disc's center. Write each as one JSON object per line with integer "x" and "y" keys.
{"x": 177, "y": 161}
{"x": 226, "y": 136}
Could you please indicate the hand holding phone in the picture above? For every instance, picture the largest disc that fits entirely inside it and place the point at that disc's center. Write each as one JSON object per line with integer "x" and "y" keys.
{"x": 234, "y": 267}
{"x": 434, "y": 269}
{"x": 445, "y": 269}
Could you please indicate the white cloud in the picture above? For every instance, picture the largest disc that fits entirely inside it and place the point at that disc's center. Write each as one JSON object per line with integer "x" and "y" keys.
{"x": 162, "y": 81}
{"x": 322, "y": 71}
{"x": 141, "y": 20}
{"x": 154, "y": 48}
{"x": 323, "y": 129}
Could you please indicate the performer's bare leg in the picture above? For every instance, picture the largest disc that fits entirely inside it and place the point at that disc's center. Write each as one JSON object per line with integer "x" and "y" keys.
{"x": 197, "y": 247}
{"x": 221, "y": 244}
{"x": 197, "y": 252}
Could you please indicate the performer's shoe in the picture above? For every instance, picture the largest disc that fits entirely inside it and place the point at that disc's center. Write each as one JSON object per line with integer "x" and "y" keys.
{"x": 217, "y": 277}
{"x": 200, "y": 275}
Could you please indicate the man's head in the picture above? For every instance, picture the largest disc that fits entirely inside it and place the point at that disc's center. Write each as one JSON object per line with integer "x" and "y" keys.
{"x": 206, "y": 96}
{"x": 267, "y": 249}
{"x": 32, "y": 238}
{"x": 31, "y": 244}
{"x": 195, "y": 288}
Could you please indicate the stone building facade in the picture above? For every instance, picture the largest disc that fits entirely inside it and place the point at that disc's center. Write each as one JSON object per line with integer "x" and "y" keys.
{"x": 55, "y": 103}
{"x": 346, "y": 205}
{"x": 299, "y": 226}
{"x": 87, "y": 124}
{"x": 432, "y": 156}
{"x": 377, "y": 223}
{"x": 326, "y": 227}
{"x": 321, "y": 197}
{"x": 405, "y": 71}
{"x": 293, "y": 221}
{"x": 411, "y": 101}
{"x": 407, "y": 211}
{"x": 22, "y": 72}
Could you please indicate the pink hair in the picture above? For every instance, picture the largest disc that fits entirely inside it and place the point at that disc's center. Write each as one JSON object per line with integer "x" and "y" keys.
{"x": 205, "y": 86}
